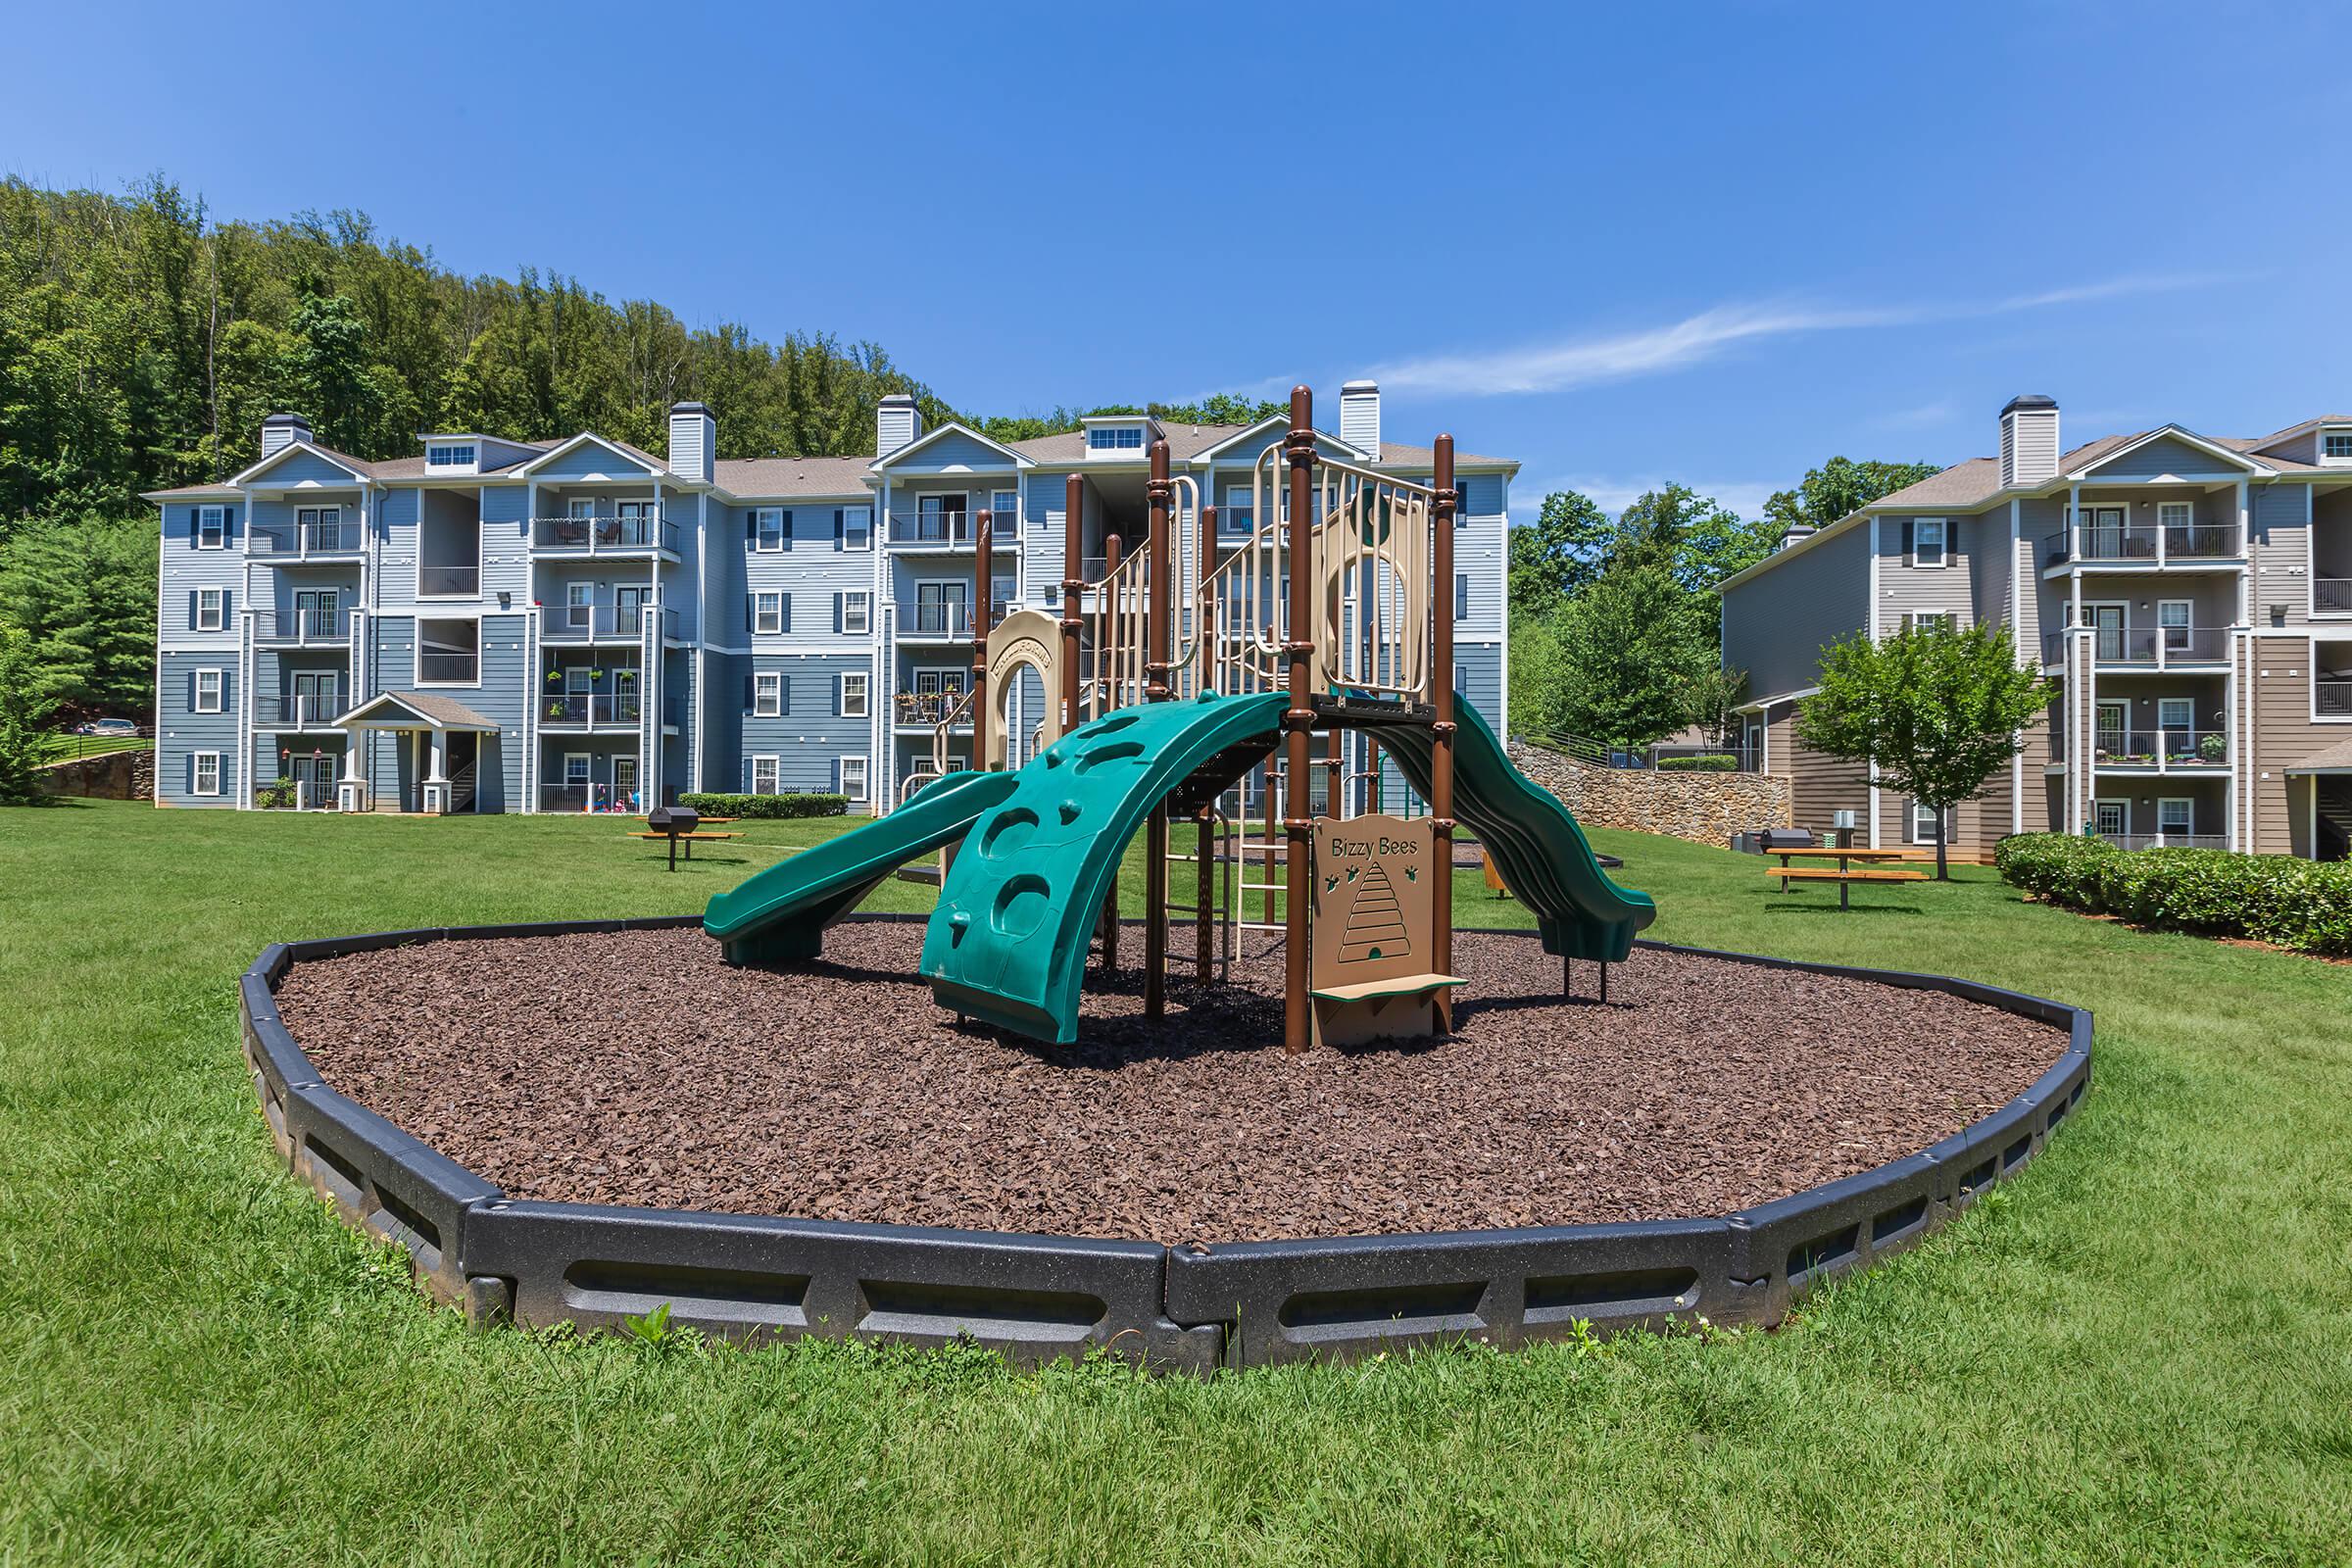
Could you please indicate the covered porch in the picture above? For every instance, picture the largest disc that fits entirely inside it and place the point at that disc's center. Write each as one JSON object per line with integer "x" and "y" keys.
{"x": 441, "y": 747}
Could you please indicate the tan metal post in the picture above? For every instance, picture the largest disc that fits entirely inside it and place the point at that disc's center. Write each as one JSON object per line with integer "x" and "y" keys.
{"x": 1298, "y": 445}
{"x": 983, "y": 567}
{"x": 1159, "y": 646}
{"x": 1073, "y": 594}
{"x": 1440, "y": 750}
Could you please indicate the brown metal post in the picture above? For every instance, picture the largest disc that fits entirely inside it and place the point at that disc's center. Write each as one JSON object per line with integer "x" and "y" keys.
{"x": 1203, "y": 560}
{"x": 1073, "y": 594}
{"x": 1297, "y": 721}
{"x": 1441, "y": 749}
{"x": 1159, "y": 651}
{"x": 983, "y": 567}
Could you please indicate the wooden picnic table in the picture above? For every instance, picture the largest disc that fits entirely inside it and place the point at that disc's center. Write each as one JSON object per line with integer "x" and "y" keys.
{"x": 687, "y": 839}
{"x": 1853, "y": 865}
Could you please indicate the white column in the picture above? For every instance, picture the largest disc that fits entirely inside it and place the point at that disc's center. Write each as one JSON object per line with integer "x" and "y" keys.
{"x": 439, "y": 748}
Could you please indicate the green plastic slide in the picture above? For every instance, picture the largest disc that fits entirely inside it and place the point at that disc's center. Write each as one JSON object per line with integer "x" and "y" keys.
{"x": 781, "y": 913}
{"x": 1534, "y": 839}
{"x": 1008, "y": 943}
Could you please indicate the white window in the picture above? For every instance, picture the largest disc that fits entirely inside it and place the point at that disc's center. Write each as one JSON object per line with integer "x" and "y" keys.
{"x": 768, "y": 695}
{"x": 1925, "y": 620}
{"x": 768, "y": 612}
{"x": 208, "y": 690}
{"x": 211, "y": 528}
{"x": 770, "y": 522}
{"x": 449, "y": 456}
{"x": 1926, "y": 542}
{"x": 766, "y": 773}
{"x": 210, "y": 608}
{"x": 2336, "y": 444}
{"x": 852, "y": 777}
{"x": 1004, "y": 511}
{"x": 576, "y": 769}
{"x": 852, "y": 694}
{"x": 1923, "y": 823}
{"x": 2172, "y": 615}
{"x": 857, "y": 529}
{"x": 1115, "y": 438}
{"x": 2176, "y": 513}
{"x": 2176, "y": 817}
{"x": 2114, "y": 819}
{"x": 208, "y": 773}
{"x": 855, "y": 611}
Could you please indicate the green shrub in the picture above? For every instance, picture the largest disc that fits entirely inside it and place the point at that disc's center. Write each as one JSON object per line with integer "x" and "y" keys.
{"x": 767, "y": 805}
{"x": 2294, "y": 903}
{"x": 1705, "y": 762}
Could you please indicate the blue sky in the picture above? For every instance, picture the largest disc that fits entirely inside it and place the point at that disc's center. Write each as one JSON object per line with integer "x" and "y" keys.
{"x": 1623, "y": 245}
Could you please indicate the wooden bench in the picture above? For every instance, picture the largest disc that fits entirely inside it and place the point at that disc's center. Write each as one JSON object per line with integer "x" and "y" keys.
{"x": 1844, "y": 877}
{"x": 687, "y": 839}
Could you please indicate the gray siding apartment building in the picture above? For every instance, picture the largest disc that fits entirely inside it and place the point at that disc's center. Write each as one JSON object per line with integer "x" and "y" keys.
{"x": 495, "y": 624}
{"x": 2190, "y": 596}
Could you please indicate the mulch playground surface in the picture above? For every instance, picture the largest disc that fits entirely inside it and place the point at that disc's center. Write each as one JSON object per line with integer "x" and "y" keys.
{"x": 636, "y": 1069}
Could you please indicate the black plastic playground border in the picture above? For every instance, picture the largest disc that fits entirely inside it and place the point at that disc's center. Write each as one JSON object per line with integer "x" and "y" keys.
{"x": 1036, "y": 1298}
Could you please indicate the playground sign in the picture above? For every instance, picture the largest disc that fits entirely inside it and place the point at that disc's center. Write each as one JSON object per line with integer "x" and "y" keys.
{"x": 1375, "y": 931}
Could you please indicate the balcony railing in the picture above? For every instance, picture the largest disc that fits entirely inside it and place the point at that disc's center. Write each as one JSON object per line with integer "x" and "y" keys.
{"x": 2155, "y": 647}
{"x": 605, "y": 535}
{"x": 2331, "y": 699}
{"x": 594, "y": 710}
{"x": 302, "y": 626}
{"x": 586, "y": 798}
{"x": 448, "y": 669}
{"x": 449, "y": 582}
{"x": 2332, "y": 596}
{"x": 2135, "y": 542}
{"x": 925, "y": 707}
{"x": 953, "y": 618}
{"x": 2165, "y": 750}
{"x": 581, "y": 623}
{"x": 299, "y": 709}
{"x": 305, "y": 539}
{"x": 939, "y": 528}
{"x": 2167, "y": 841}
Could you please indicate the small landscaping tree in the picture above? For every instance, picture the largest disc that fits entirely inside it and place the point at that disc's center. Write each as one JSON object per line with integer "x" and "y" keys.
{"x": 1937, "y": 711}
{"x": 25, "y": 714}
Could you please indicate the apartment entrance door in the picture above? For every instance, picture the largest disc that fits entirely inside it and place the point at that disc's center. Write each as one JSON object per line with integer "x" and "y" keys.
{"x": 2112, "y": 732}
{"x": 2109, "y": 623}
{"x": 314, "y": 779}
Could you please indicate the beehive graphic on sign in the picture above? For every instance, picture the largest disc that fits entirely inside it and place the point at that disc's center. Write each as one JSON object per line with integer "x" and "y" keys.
{"x": 1376, "y": 927}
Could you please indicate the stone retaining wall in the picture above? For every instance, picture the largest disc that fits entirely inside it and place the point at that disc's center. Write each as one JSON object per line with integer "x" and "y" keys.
{"x": 114, "y": 776}
{"x": 1703, "y": 807}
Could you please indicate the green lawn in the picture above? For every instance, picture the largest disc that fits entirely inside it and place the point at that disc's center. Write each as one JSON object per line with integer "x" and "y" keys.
{"x": 2138, "y": 1351}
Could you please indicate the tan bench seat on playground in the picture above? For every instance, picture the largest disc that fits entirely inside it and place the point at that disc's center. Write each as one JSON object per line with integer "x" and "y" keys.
{"x": 1844, "y": 877}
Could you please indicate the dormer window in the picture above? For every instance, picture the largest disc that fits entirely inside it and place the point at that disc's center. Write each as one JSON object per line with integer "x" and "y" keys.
{"x": 2337, "y": 445}
{"x": 1115, "y": 438}
{"x": 452, "y": 455}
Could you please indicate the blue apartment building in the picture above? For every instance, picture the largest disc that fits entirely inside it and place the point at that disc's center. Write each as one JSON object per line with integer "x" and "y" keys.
{"x": 501, "y": 625}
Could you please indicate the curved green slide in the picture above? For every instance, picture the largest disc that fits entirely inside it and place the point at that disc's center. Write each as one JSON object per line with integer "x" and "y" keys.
{"x": 1009, "y": 940}
{"x": 1534, "y": 840}
{"x": 781, "y": 913}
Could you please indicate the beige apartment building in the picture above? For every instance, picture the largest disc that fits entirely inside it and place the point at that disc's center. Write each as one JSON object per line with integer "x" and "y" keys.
{"x": 2189, "y": 596}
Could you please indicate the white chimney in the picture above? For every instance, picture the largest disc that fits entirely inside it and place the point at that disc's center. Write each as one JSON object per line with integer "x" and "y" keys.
{"x": 1359, "y": 417}
{"x": 282, "y": 430}
{"x": 897, "y": 423}
{"x": 693, "y": 441}
{"x": 2029, "y": 441}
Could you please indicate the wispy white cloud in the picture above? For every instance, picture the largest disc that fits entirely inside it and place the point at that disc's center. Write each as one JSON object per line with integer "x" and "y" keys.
{"x": 1563, "y": 365}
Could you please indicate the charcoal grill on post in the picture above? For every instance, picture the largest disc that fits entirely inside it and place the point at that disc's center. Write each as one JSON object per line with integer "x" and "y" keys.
{"x": 674, "y": 821}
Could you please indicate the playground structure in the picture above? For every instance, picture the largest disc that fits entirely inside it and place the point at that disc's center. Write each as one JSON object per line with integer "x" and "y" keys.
{"x": 1162, "y": 697}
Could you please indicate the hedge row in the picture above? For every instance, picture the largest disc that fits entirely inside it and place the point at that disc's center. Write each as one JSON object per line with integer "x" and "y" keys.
{"x": 1704, "y": 763}
{"x": 765, "y": 805}
{"x": 2299, "y": 903}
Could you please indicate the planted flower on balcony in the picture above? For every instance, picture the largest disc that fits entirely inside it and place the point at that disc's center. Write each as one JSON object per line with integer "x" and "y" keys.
{"x": 554, "y": 675}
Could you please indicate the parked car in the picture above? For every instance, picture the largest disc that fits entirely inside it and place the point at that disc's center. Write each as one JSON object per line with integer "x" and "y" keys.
{"x": 106, "y": 726}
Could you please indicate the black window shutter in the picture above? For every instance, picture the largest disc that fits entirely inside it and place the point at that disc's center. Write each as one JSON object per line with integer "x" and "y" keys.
{"x": 837, "y": 603}
{"x": 837, "y": 697}
{"x": 195, "y": 525}
{"x": 784, "y": 607}
{"x": 1910, "y": 542}
{"x": 839, "y": 528}
{"x": 750, "y": 612}
{"x": 783, "y": 694}
{"x": 784, "y": 529}
{"x": 749, "y": 698}
{"x": 751, "y": 527}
